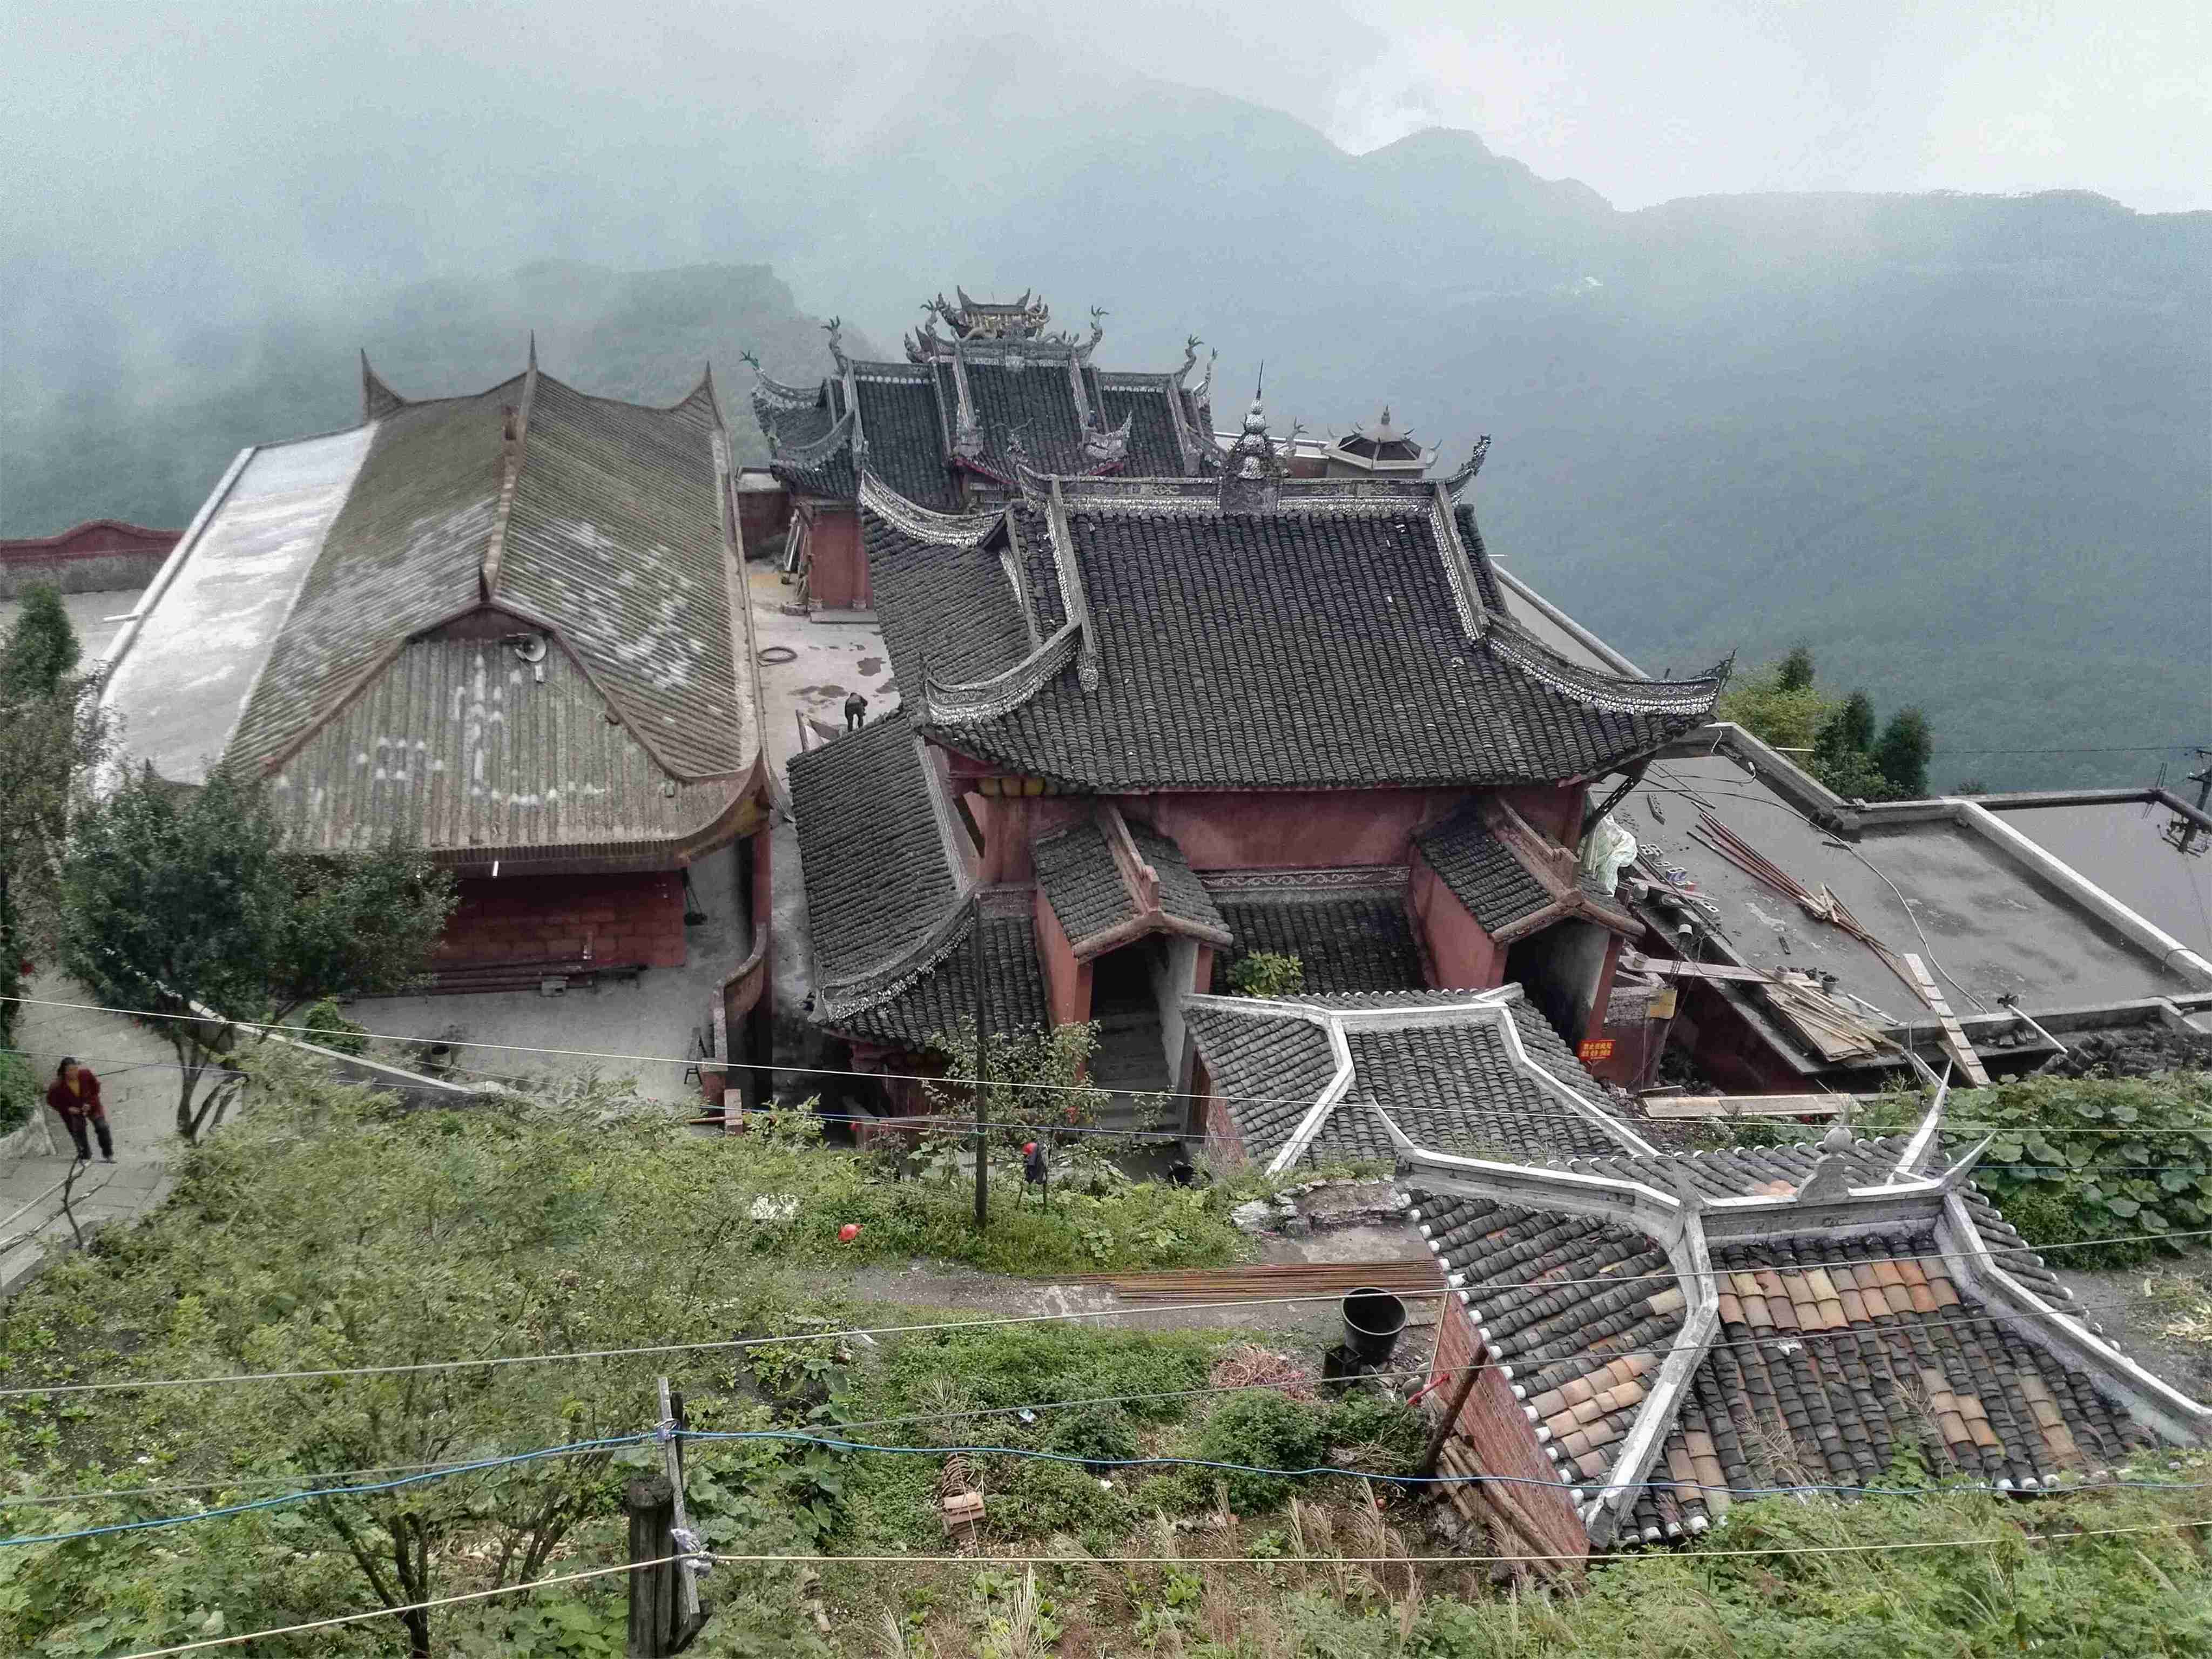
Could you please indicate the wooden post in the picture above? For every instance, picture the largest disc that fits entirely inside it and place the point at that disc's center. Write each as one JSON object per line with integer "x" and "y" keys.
{"x": 982, "y": 1067}
{"x": 651, "y": 1501}
{"x": 689, "y": 1615}
{"x": 1451, "y": 1415}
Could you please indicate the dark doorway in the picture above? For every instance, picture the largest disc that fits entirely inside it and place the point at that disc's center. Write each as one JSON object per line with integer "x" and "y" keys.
{"x": 1131, "y": 1056}
{"x": 1559, "y": 968}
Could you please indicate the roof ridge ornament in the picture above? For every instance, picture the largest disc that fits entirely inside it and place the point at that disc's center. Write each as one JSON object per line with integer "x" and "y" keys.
{"x": 1461, "y": 479}
{"x": 834, "y": 328}
{"x": 1252, "y": 470}
{"x": 1190, "y": 346}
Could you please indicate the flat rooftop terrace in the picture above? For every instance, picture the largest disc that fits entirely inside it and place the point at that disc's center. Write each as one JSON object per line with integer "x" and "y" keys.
{"x": 1985, "y": 924}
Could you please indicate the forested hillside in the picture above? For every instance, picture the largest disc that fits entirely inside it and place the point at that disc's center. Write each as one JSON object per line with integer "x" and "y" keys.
{"x": 147, "y": 442}
{"x": 1955, "y": 444}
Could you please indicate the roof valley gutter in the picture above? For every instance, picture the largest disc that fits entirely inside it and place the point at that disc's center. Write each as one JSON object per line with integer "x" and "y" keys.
{"x": 1560, "y": 619}
{"x": 174, "y": 562}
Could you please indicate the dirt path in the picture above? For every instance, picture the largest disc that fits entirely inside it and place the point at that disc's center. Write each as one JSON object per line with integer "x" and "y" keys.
{"x": 2114, "y": 1299}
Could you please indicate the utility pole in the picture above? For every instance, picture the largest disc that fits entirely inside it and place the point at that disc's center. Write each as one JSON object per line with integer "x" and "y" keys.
{"x": 664, "y": 1614}
{"x": 982, "y": 1066}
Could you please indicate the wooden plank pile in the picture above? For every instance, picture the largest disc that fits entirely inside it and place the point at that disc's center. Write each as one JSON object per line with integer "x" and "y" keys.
{"x": 1412, "y": 1274}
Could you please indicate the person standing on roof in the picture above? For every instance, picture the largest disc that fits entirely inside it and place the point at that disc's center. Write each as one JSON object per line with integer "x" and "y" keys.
{"x": 856, "y": 712}
{"x": 75, "y": 1094}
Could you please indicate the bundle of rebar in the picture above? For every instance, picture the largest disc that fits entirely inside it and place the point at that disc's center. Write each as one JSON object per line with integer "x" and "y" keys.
{"x": 1267, "y": 1278}
{"x": 1820, "y": 904}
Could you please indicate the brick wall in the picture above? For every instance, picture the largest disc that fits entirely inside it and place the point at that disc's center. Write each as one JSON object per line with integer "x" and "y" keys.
{"x": 616, "y": 920}
{"x": 1497, "y": 1435}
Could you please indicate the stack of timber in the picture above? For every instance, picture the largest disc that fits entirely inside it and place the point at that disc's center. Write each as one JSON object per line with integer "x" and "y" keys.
{"x": 1406, "y": 1275}
{"x": 1825, "y": 906}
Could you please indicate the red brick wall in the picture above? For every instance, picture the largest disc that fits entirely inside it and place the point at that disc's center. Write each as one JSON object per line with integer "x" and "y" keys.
{"x": 618, "y": 920}
{"x": 1496, "y": 1434}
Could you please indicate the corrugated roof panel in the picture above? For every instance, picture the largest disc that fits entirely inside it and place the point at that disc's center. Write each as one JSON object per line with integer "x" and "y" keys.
{"x": 184, "y": 681}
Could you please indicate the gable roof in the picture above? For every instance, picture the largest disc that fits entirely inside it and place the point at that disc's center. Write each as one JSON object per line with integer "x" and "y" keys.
{"x": 1479, "y": 1073}
{"x": 1109, "y": 881}
{"x": 1347, "y": 639}
{"x": 1510, "y": 880}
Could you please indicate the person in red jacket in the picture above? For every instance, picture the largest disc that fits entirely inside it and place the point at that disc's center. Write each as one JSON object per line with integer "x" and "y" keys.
{"x": 75, "y": 1093}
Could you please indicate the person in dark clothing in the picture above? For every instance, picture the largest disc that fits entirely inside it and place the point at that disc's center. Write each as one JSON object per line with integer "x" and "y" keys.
{"x": 856, "y": 712}
{"x": 75, "y": 1094}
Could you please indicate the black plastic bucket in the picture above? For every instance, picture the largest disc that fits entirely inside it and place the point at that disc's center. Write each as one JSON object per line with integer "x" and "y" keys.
{"x": 1373, "y": 1322}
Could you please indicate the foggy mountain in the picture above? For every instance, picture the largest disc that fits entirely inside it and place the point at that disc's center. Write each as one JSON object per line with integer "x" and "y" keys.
{"x": 1956, "y": 443}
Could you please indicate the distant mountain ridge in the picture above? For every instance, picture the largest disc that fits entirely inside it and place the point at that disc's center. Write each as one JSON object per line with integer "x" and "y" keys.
{"x": 1956, "y": 443}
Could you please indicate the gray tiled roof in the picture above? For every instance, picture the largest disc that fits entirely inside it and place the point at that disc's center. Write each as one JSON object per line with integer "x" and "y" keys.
{"x": 1451, "y": 1083}
{"x": 1075, "y": 868}
{"x": 951, "y": 606}
{"x": 1599, "y": 1345}
{"x": 909, "y": 413}
{"x": 1360, "y": 940}
{"x": 1283, "y": 650}
{"x": 906, "y": 433}
{"x": 938, "y": 1001}
{"x": 878, "y": 881}
{"x": 1182, "y": 894}
{"x": 1482, "y": 871}
{"x": 613, "y": 535}
{"x": 1832, "y": 1353}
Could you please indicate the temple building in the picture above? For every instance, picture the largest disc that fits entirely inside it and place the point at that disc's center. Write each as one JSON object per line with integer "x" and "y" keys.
{"x": 509, "y": 627}
{"x": 1153, "y": 726}
{"x": 950, "y": 428}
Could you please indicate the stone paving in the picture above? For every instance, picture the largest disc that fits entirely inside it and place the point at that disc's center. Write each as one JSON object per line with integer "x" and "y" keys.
{"x": 137, "y": 1074}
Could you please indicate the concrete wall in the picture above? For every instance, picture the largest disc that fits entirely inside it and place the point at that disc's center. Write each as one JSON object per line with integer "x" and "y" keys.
{"x": 616, "y": 921}
{"x": 1175, "y": 970}
{"x": 1464, "y": 957}
{"x": 101, "y": 556}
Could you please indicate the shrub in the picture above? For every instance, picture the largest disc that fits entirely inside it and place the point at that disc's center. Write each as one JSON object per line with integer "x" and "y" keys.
{"x": 1265, "y": 974}
{"x": 1034, "y": 1498}
{"x": 19, "y": 1093}
{"x": 332, "y": 1030}
{"x": 2085, "y": 1158}
{"x": 1268, "y": 1431}
{"x": 1100, "y": 1435}
{"x": 1389, "y": 1427}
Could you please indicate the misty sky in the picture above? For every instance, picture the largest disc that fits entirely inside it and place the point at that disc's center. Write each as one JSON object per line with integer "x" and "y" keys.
{"x": 1642, "y": 103}
{"x": 324, "y": 144}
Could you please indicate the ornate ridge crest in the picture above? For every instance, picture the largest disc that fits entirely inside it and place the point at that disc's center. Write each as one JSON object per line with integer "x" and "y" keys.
{"x": 922, "y": 523}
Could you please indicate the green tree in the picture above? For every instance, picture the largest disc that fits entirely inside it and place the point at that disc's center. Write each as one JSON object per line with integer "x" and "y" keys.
{"x": 1778, "y": 702}
{"x": 1795, "y": 673}
{"x": 41, "y": 649}
{"x": 1903, "y": 752}
{"x": 52, "y": 732}
{"x": 1851, "y": 727}
{"x": 185, "y": 903}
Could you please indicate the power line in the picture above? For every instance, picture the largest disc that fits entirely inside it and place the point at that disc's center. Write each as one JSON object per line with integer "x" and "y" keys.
{"x": 284, "y": 1499}
{"x": 726, "y": 1345}
{"x": 971, "y": 1562}
{"x": 839, "y": 1444}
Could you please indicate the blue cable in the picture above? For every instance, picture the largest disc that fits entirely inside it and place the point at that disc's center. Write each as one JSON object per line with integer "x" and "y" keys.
{"x": 831, "y": 1443}
{"x": 281, "y": 1498}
